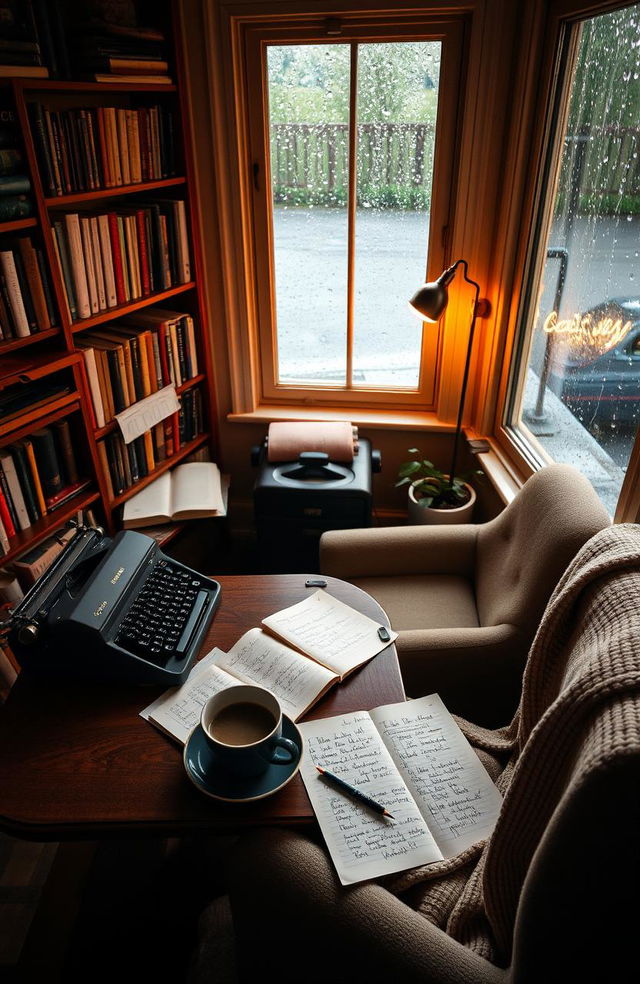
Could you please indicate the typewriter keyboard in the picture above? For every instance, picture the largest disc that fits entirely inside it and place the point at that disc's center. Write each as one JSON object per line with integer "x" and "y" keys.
{"x": 160, "y": 622}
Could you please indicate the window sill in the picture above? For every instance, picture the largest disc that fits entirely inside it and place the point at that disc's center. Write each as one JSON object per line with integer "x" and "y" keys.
{"x": 381, "y": 419}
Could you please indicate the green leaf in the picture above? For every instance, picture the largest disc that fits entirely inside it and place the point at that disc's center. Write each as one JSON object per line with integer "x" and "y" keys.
{"x": 408, "y": 468}
{"x": 426, "y": 502}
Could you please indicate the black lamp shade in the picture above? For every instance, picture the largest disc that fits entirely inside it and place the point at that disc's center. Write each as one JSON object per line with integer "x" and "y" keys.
{"x": 430, "y": 300}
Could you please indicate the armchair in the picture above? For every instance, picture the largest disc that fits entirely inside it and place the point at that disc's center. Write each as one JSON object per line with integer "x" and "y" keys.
{"x": 467, "y": 599}
{"x": 546, "y": 897}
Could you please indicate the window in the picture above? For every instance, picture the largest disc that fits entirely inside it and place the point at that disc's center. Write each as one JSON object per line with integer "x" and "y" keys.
{"x": 351, "y": 177}
{"x": 574, "y": 394}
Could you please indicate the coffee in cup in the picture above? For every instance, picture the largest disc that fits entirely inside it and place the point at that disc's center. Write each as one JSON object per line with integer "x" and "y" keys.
{"x": 243, "y": 728}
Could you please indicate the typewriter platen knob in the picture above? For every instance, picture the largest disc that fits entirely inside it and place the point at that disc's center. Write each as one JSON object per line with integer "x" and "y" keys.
{"x": 28, "y": 634}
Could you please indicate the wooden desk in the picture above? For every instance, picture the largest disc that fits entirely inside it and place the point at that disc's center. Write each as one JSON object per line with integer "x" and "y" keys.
{"x": 77, "y": 760}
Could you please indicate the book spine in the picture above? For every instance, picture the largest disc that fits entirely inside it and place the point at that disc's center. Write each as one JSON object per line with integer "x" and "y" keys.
{"x": 143, "y": 356}
{"x": 106, "y": 264}
{"x": 55, "y": 162}
{"x": 10, "y": 161}
{"x": 106, "y": 470}
{"x": 152, "y": 360}
{"x": 15, "y": 491}
{"x": 32, "y": 272}
{"x": 89, "y": 264}
{"x": 126, "y": 272}
{"x": 123, "y": 146}
{"x": 24, "y": 477}
{"x": 132, "y": 255}
{"x": 42, "y": 144}
{"x": 94, "y": 156}
{"x": 183, "y": 243}
{"x": 63, "y": 434}
{"x": 7, "y": 261}
{"x": 115, "y": 151}
{"x": 175, "y": 354}
{"x": 60, "y": 245}
{"x": 31, "y": 458}
{"x": 98, "y": 263}
{"x": 143, "y": 252}
{"x": 103, "y": 149}
{"x": 61, "y": 153}
{"x": 192, "y": 348}
{"x": 15, "y": 184}
{"x": 185, "y": 369}
{"x": 47, "y": 460}
{"x": 5, "y": 512}
{"x": 114, "y": 236}
{"x": 72, "y": 226}
{"x": 27, "y": 300}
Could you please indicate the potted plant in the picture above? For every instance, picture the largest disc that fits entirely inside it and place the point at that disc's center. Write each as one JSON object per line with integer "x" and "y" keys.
{"x": 433, "y": 497}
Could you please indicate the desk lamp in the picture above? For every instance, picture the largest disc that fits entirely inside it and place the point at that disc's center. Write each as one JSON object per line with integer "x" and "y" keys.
{"x": 430, "y": 302}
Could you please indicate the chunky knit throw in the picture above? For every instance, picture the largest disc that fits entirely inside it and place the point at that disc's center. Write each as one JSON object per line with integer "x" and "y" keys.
{"x": 584, "y": 660}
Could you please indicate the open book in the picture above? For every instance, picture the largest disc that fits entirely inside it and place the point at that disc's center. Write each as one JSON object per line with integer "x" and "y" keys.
{"x": 189, "y": 491}
{"x": 414, "y": 760}
{"x": 320, "y": 641}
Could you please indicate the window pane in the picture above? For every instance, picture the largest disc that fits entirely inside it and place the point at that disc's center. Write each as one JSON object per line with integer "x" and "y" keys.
{"x": 397, "y": 103}
{"x": 582, "y": 392}
{"x": 309, "y": 123}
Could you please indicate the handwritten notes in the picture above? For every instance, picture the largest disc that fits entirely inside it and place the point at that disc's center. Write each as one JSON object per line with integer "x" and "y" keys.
{"x": 330, "y": 632}
{"x": 444, "y": 774}
{"x": 177, "y": 711}
{"x": 146, "y": 413}
{"x": 414, "y": 760}
{"x": 363, "y": 844}
{"x": 295, "y": 680}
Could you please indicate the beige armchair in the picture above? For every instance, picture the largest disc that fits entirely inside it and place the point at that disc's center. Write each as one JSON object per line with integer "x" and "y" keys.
{"x": 546, "y": 897}
{"x": 467, "y": 600}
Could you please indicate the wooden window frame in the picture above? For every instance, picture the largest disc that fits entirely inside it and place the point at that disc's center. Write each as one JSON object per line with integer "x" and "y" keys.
{"x": 541, "y": 105}
{"x": 250, "y": 41}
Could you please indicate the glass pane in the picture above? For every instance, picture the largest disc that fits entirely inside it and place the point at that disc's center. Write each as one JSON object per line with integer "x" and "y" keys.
{"x": 309, "y": 124}
{"x": 582, "y": 390}
{"x": 397, "y": 105}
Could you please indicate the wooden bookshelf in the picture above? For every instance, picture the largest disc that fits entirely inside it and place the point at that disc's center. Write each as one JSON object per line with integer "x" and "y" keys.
{"x": 45, "y": 352}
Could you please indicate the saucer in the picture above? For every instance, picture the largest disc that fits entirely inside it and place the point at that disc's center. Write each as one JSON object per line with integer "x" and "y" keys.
{"x": 220, "y": 785}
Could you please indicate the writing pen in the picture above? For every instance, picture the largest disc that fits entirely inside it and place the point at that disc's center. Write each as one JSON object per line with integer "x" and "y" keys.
{"x": 354, "y": 793}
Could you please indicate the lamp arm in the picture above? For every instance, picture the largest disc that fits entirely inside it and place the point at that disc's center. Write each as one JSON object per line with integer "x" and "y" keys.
{"x": 481, "y": 308}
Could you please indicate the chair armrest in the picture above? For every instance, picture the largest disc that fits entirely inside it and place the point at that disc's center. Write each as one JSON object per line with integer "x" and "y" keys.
{"x": 293, "y": 918}
{"x": 399, "y": 550}
{"x": 476, "y": 671}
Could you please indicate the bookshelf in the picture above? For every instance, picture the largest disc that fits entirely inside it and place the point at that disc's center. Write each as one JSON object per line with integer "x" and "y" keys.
{"x": 56, "y": 349}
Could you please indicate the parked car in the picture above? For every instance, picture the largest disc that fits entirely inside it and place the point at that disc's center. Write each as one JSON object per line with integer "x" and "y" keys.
{"x": 601, "y": 388}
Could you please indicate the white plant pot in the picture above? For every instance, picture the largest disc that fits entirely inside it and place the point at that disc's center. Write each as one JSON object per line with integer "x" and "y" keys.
{"x": 419, "y": 515}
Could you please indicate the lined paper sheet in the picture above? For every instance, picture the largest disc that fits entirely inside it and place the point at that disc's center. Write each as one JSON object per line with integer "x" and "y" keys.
{"x": 362, "y": 844}
{"x": 445, "y": 776}
{"x": 296, "y": 681}
{"x": 331, "y": 632}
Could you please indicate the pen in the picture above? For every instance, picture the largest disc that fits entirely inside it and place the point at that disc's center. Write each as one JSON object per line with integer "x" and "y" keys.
{"x": 354, "y": 793}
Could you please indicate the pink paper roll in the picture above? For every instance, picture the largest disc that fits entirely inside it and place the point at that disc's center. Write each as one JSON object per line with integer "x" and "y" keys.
{"x": 288, "y": 439}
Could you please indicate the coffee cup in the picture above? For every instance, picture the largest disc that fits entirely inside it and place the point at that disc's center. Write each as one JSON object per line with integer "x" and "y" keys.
{"x": 243, "y": 729}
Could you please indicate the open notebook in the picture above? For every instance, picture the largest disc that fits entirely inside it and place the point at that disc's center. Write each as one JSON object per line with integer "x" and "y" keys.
{"x": 320, "y": 642}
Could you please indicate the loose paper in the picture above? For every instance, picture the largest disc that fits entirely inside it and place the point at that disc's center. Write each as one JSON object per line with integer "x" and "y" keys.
{"x": 146, "y": 413}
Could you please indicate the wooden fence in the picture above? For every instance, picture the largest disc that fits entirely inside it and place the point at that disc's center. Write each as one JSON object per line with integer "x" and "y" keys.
{"x": 312, "y": 159}
{"x": 309, "y": 164}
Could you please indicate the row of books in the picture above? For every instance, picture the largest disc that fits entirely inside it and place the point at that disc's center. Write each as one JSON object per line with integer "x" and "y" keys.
{"x": 88, "y": 149}
{"x": 125, "y": 464}
{"x": 26, "y": 302}
{"x": 37, "y": 476}
{"x": 66, "y": 38}
{"x": 20, "y": 51}
{"x": 112, "y": 258}
{"x": 15, "y": 200}
{"x": 129, "y": 361}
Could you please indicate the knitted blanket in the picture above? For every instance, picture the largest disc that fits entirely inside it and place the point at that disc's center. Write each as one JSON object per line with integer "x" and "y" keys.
{"x": 586, "y": 654}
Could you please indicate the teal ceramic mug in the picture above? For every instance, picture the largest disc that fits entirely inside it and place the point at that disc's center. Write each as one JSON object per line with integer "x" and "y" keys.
{"x": 243, "y": 729}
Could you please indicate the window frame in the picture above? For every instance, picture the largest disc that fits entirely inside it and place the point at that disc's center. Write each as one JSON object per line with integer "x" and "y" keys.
{"x": 251, "y": 40}
{"x": 539, "y": 152}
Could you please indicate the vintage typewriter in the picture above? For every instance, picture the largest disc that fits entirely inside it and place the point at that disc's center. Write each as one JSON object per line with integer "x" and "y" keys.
{"x": 113, "y": 609}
